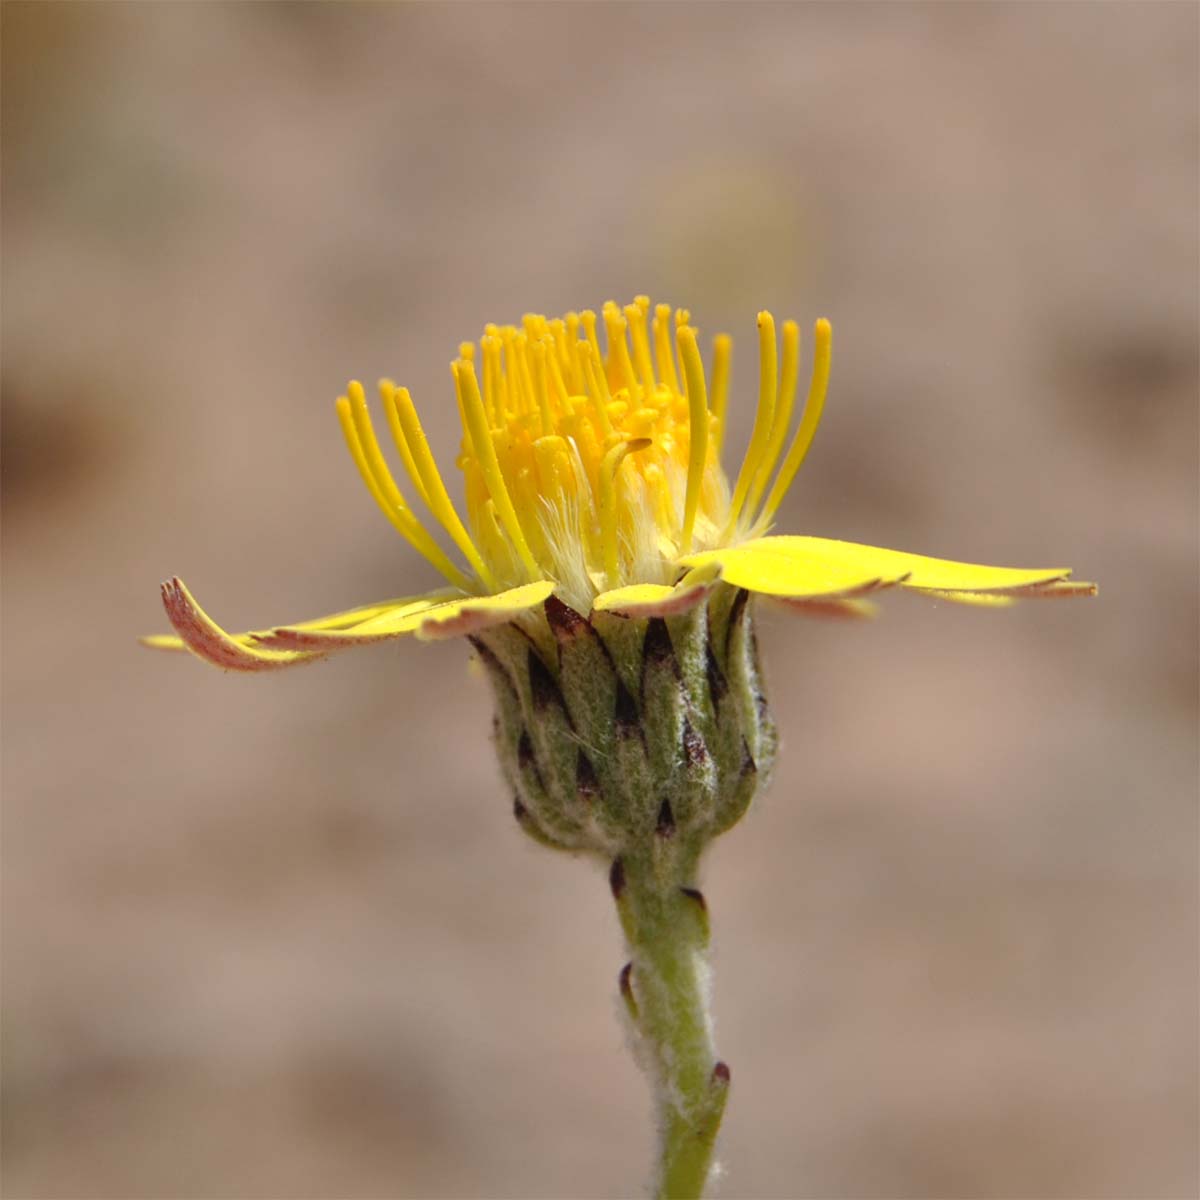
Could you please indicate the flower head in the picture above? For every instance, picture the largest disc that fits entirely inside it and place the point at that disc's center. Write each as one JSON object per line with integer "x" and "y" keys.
{"x": 595, "y": 475}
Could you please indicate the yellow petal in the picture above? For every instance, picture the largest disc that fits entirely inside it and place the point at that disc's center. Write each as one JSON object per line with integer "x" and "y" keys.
{"x": 792, "y": 565}
{"x": 461, "y": 617}
{"x": 639, "y": 600}
{"x": 207, "y": 640}
{"x": 775, "y": 568}
{"x": 397, "y": 619}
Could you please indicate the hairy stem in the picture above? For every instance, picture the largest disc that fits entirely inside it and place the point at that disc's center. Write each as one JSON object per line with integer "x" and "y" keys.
{"x": 666, "y": 991}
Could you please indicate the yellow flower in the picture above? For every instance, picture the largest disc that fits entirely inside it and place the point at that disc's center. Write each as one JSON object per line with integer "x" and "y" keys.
{"x": 596, "y": 476}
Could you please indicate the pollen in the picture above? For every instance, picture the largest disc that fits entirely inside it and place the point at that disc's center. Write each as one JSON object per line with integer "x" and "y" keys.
{"x": 593, "y": 466}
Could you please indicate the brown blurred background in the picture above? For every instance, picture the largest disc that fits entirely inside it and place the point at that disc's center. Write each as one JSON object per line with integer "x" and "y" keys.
{"x": 278, "y": 937}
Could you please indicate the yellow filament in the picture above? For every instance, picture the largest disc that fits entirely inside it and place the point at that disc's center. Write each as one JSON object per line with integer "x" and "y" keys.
{"x": 763, "y": 417}
{"x": 557, "y": 329}
{"x": 512, "y": 372}
{"x": 573, "y": 319}
{"x": 588, "y": 320}
{"x": 387, "y": 393}
{"x": 693, "y": 372}
{"x": 598, "y": 386}
{"x": 485, "y": 454}
{"x": 538, "y": 351}
{"x": 635, "y": 314}
{"x": 662, "y": 348}
{"x": 404, "y": 522}
{"x": 370, "y": 447}
{"x": 521, "y": 342}
{"x": 806, "y": 431}
{"x": 608, "y": 504}
{"x": 719, "y": 392}
{"x": 399, "y": 402}
{"x": 495, "y": 384}
{"x": 788, "y": 375}
{"x": 556, "y": 375}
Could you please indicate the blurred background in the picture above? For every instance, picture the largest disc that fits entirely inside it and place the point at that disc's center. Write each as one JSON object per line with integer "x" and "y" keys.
{"x": 278, "y": 937}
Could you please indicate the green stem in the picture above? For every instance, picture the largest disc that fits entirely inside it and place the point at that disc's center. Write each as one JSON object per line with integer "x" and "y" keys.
{"x": 665, "y": 988}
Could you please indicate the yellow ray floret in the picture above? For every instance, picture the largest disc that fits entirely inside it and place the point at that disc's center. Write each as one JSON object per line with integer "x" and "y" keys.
{"x": 592, "y": 472}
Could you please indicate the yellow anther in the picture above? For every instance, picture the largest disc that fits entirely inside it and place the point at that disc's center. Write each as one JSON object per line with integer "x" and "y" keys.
{"x": 693, "y": 373}
{"x": 534, "y": 326}
{"x": 788, "y": 374}
{"x": 663, "y": 354}
{"x": 588, "y": 321}
{"x": 485, "y": 455}
{"x": 608, "y": 504}
{"x": 619, "y": 363}
{"x": 642, "y": 422}
{"x": 467, "y": 350}
{"x": 763, "y": 417}
{"x": 399, "y": 403}
{"x": 806, "y": 431}
{"x": 635, "y": 314}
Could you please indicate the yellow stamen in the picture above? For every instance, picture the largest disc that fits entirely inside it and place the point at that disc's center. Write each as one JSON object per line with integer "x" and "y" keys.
{"x": 663, "y": 354}
{"x": 399, "y": 402}
{"x": 402, "y": 519}
{"x": 783, "y": 412}
{"x": 618, "y": 351}
{"x": 492, "y": 376}
{"x": 693, "y": 371}
{"x": 589, "y": 324}
{"x": 635, "y": 314}
{"x": 587, "y": 319}
{"x": 387, "y": 390}
{"x": 806, "y": 431}
{"x": 549, "y": 491}
{"x": 763, "y": 417}
{"x": 719, "y": 392}
{"x": 538, "y": 352}
{"x": 608, "y": 503}
{"x": 597, "y": 385}
{"x": 556, "y": 375}
{"x": 485, "y": 454}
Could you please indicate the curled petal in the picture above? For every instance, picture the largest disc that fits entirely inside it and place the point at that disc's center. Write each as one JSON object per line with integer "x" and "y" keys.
{"x": 207, "y": 640}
